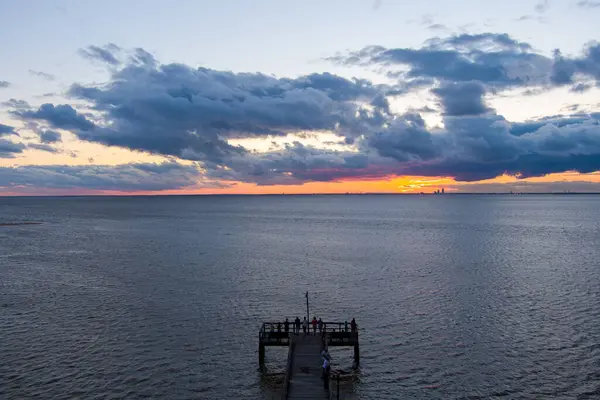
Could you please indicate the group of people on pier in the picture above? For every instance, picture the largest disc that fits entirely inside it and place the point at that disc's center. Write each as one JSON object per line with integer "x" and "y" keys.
{"x": 316, "y": 324}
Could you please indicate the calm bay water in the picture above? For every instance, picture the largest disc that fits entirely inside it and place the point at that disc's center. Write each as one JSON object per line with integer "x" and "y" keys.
{"x": 456, "y": 296}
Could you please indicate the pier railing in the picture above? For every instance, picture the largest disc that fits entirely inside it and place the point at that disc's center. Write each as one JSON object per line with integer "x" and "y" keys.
{"x": 337, "y": 333}
{"x": 327, "y": 326}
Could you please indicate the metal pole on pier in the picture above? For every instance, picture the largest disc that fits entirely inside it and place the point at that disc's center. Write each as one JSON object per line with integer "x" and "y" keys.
{"x": 338, "y": 386}
{"x": 307, "y": 309}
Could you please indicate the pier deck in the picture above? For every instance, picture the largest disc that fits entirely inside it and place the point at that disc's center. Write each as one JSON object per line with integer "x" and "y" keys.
{"x": 304, "y": 381}
{"x": 303, "y": 371}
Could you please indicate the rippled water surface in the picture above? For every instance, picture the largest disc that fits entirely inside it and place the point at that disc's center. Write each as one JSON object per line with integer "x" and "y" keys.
{"x": 456, "y": 296}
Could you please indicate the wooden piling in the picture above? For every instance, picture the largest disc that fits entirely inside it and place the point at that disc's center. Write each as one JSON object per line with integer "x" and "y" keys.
{"x": 261, "y": 355}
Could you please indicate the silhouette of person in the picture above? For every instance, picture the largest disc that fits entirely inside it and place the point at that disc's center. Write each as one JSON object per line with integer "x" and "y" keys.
{"x": 326, "y": 372}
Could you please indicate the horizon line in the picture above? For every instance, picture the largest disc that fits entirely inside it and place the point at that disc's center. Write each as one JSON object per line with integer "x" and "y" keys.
{"x": 305, "y": 194}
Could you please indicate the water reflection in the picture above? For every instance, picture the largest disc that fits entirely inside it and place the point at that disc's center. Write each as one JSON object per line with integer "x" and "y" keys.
{"x": 456, "y": 296}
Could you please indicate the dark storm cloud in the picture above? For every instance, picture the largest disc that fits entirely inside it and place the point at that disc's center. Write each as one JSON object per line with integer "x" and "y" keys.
{"x": 7, "y": 130}
{"x": 464, "y": 98}
{"x": 589, "y": 64}
{"x": 381, "y": 103}
{"x": 9, "y": 149}
{"x": 194, "y": 113}
{"x": 565, "y": 70}
{"x": 477, "y": 148}
{"x": 49, "y": 136}
{"x": 336, "y": 87}
{"x": 405, "y": 140}
{"x": 61, "y": 116}
{"x": 521, "y": 128}
{"x": 493, "y": 59}
{"x": 469, "y": 148}
{"x": 44, "y": 75}
{"x": 126, "y": 177}
{"x": 4, "y": 84}
{"x": 293, "y": 164}
{"x": 191, "y": 113}
{"x": 524, "y": 166}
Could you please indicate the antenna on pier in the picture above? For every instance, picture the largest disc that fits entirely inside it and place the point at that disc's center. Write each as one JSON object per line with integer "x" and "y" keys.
{"x": 307, "y": 309}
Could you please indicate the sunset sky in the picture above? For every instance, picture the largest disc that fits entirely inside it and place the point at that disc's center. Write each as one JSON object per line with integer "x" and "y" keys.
{"x": 272, "y": 96}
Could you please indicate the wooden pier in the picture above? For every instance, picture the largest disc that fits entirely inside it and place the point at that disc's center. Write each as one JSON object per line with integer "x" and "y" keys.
{"x": 303, "y": 370}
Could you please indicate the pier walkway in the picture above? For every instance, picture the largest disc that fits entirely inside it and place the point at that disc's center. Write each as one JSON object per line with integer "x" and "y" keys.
{"x": 303, "y": 379}
{"x": 303, "y": 370}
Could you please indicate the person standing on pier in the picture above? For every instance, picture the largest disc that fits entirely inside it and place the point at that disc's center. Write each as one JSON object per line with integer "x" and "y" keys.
{"x": 297, "y": 326}
{"x": 314, "y": 325}
{"x": 320, "y": 325}
{"x": 286, "y": 326}
{"x": 326, "y": 372}
{"x": 304, "y": 325}
{"x": 353, "y": 325}
{"x": 325, "y": 355}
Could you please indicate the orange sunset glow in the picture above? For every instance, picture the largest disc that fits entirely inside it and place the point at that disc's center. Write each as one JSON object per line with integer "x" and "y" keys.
{"x": 390, "y": 185}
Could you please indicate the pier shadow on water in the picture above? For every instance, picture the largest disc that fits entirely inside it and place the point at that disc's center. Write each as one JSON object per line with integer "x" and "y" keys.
{"x": 271, "y": 377}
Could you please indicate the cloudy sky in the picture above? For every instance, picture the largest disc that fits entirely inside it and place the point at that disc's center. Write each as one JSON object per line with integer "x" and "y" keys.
{"x": 272, "y": 96}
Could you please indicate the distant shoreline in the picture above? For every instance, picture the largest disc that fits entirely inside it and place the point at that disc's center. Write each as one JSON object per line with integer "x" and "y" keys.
{"x": 307, "y": 194}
